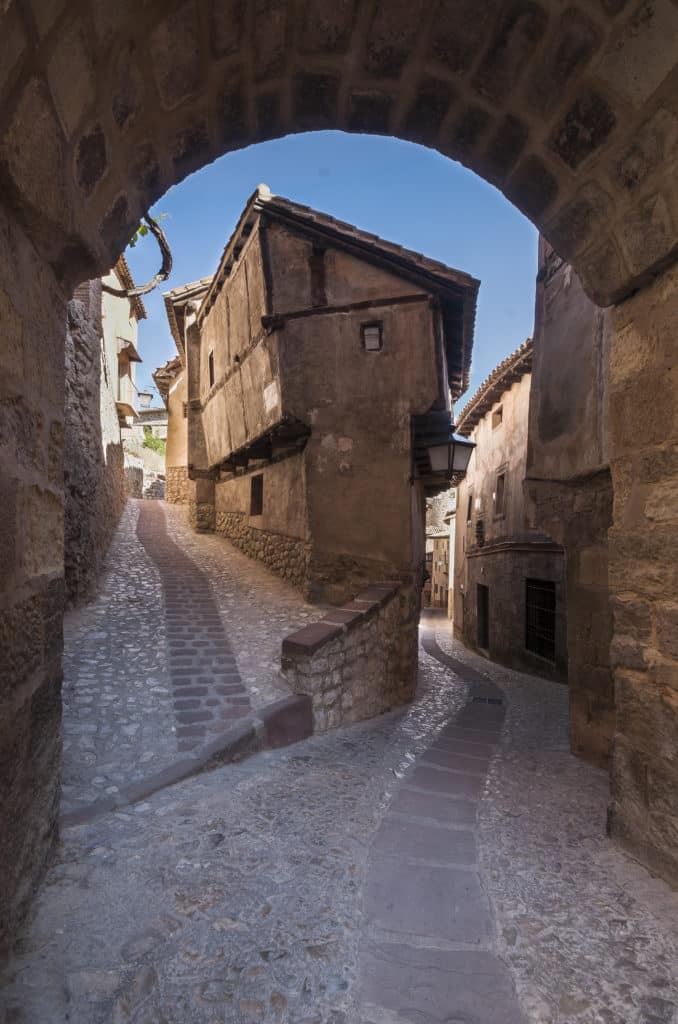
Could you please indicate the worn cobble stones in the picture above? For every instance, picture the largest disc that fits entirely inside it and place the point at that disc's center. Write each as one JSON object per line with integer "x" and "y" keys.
{"x": 135, "y": 677}
{"x": 257, "y": 607}
{"x": 118, "y": 719}
{"x": 240, "y": 896}
{"x": 208, "y": 692}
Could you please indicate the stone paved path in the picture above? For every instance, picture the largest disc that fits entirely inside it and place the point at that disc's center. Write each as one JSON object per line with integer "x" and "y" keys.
{"x": 428, "y": 944}
{"x": 182, "y": 639}
{"x": 208, "y": 693}
{"x": 247, "y": 894}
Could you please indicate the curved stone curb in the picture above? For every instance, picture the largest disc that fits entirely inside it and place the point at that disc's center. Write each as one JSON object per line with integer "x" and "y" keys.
{"x": 428, "y": 947}
{"x": 280, "y": 724}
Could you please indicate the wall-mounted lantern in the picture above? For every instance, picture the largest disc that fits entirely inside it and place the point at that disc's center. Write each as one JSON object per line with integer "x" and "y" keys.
{"x": 440, "y": 456}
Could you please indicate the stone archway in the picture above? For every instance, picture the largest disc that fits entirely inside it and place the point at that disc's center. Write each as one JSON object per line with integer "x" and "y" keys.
{"x": 572, "y": 113}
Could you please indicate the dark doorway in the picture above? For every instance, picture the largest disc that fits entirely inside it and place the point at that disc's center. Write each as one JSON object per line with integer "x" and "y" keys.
{"x": 483, "y": 617}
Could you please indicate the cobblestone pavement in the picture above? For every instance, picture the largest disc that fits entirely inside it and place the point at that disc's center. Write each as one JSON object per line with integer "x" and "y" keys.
{"x": 118, "y": 720}
{"x": 243, "y": 895}
{"x": 126, "y": 714}
{"x": 257, "y": 607}
{"x": 208, "y": 693}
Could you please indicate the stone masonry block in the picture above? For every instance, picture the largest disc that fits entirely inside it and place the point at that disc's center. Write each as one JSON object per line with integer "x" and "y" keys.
{"x": 507, "y": 57}
{"x": 174, "y": 51}
{"x": 666, "y": 618}
{"x": 227, "y": 24}
{"x": 326, "y": 28}
{"x": 70, "y": 76}
{"x": 391, "y": 37}
{"x": 574, "y": 41}
{"x": 586, "y": 126}
{"x": 33, "y": 149}
{"x": 270, "y": 26}
{"x": 461, "y": 28}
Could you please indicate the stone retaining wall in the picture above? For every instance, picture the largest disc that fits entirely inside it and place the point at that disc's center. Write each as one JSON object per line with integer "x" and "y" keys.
{"x": 286, "y": 556}
{"x": 349, "y": 663}
{"x": 177, "y": 485}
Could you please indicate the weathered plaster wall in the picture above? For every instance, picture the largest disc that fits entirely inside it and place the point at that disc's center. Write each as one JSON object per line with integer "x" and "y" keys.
{"x": 568, "y": 488}
{"x": 643, "y": 573}
{"x": 358, "y": 456}
{"x": 285, "y": 499}
{"x": 32, "y": 320}
{"x": 511, "y": 552}
{"x": 94, "y": 479}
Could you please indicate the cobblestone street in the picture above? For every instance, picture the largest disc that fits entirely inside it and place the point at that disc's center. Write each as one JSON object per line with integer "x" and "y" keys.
{"x": 446, "y": 863}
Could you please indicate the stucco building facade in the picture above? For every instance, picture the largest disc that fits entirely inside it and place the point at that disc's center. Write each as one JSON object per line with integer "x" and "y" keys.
{"x": 301, "y": 435}
{"x": 509, "y": 580}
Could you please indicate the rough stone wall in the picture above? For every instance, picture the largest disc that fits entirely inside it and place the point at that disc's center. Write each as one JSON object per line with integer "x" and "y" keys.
{"x": 32, "y": 323}
{"x": 94, "y": 478}
{"x": 286, "y": 556}
{"x": 643, "y": 572}
{"x": 568, "y": 489}
{"x": 177, "y": 485}
{"x": 503, "y": 570}
{"x": 577, "y": 514}
{"x": 349, "y": 663}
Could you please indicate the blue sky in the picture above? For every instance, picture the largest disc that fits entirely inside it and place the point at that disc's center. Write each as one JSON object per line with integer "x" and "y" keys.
{"x": 401, "y": 191}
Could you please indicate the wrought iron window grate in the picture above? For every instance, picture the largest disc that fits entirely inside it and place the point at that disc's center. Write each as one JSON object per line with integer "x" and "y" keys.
{"x": 540, "y": 618}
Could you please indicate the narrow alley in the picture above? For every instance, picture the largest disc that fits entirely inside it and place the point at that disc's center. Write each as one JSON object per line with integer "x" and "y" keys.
{"x": 445, "y": 862}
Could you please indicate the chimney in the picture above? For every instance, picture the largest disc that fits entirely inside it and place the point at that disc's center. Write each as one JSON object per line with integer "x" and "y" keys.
{"x": 145, "y": 399}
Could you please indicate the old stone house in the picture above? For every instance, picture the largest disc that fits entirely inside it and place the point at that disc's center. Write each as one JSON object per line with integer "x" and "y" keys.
{"x": 171, "y": 381}
{"x": 101, "y": 358}
{"x": 439, "y": 550}
{"x": 314, "y": 349}
{"x": 509, "y": 580}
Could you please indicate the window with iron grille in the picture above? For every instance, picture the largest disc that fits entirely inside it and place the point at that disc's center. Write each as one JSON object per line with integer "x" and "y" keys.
{"x": 540, "y": 618}
{"x": 210, "y": 367}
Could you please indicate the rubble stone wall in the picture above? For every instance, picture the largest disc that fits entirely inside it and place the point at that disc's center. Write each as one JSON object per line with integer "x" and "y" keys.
{"x": 177, "y": 485}
{"x": 349, "y": 663}
{"x": 286, "y": 556}
{"x": 94, "y": 477}
{"x": 643, "y": 573}
{"x": 32, "y": 325}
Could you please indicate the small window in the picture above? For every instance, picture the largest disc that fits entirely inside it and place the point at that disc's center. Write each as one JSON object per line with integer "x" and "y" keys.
{"x": 500, "y": 495}
{"x": 210, "y": 360}
{"x": 469, "y": 510}
{"x": 372, "y": 337}
{"x": 257, "y": 495}
{"x": 540, "y": 618}
{"x": 497, "y": 417}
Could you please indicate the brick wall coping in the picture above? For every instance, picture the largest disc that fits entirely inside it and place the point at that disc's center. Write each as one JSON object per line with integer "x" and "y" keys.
{"x": 311, "y": 638}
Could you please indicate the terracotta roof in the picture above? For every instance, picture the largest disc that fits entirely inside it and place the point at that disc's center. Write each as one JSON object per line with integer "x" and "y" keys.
{"x": 121, "y": 268}
{"x": 165, "y": 376}
{"x": 175, "y": 306}
{"x": 490, "y": 391}
{"x": 457, "y": 290}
